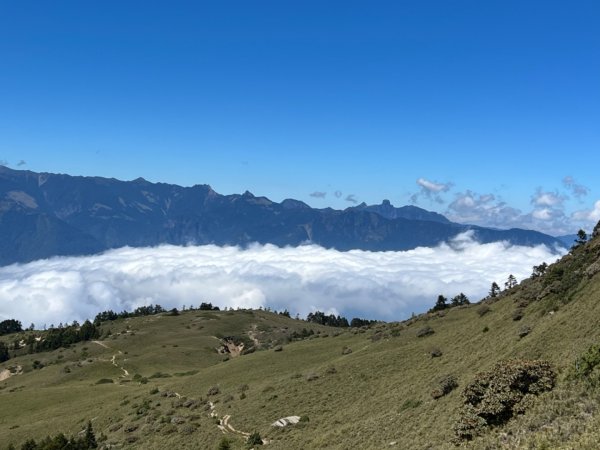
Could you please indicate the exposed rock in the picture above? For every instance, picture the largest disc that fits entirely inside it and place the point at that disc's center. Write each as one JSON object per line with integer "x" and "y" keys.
{"x": 284, "y": 422}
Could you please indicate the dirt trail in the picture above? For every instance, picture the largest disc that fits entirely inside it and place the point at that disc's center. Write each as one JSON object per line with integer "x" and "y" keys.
{"x": 101, "y": 344}
{"x": 113, "y": 360}
{"x": 225, "y": 426}
{"x": 224, "y": 422}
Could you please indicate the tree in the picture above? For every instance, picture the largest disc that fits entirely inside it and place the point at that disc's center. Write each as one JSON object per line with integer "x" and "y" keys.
{"x": 494, "y": 290}
{"x": 460, "y": 300}
{"x": 540, "y": 270}
{"x": 10, "y": 326}
{"x": 330, "y": 320}
{"x": 582, "y": 238}
{"x": 89, "y": 438}
{"x": 440, "y": 303}
{"x": 511, "y": 282}
{"x": 4, "y": 355}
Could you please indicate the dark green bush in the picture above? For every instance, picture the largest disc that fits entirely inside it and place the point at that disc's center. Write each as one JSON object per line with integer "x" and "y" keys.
{"x": 494, "y": 397}
{"x": 254, "y": 439}
{"x": 224, "y": 444}
{"x": 587, "y": 366}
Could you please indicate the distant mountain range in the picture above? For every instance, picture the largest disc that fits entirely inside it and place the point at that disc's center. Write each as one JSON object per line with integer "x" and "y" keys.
{"x": 44, "y": 214}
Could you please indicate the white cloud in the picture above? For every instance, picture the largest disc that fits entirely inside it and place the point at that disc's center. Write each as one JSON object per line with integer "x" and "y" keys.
{"x": 431, "y": 190}
{"x": 588, "y": 215}
{"x": 385, "y": 285}
{"x": 547, "y": 215}
{"x": 432, "y": 186}
{"x": 542, "y": 214}
{"x": 550, "y": 199}
{"x": 482, "y": 209}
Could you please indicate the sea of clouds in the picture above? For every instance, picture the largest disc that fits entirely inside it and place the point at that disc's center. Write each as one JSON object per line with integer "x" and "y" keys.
{"x": 381, "y": 285}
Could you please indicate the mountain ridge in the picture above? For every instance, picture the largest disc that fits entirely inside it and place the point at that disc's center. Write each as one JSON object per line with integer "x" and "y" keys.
{"x": 45, "y": 214}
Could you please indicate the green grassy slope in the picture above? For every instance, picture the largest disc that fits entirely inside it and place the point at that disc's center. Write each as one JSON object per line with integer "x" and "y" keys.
{"x": 377, "y": 396}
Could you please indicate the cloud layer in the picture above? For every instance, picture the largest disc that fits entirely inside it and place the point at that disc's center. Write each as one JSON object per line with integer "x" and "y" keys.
{"x": 383, "y": 285}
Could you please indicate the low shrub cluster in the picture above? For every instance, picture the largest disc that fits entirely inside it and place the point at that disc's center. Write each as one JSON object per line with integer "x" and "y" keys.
{"x": 494, "y": 397}
{"x": 444, "y": 386}
{"x": 587, "y": 366}
{"x": 425, "y": 331}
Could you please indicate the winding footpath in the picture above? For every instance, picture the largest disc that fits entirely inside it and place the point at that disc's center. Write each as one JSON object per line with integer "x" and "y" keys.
{"x": 113, "y": 360}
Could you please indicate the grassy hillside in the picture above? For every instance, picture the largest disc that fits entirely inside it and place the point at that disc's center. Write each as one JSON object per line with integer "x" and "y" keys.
{"x": 157, "y": 381}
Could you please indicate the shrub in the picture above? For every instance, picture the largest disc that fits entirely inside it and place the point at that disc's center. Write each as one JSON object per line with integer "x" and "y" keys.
{"x": 435, "y": 353}
{"x": 483, "y": 310}
{"x": 331, "y": 370}
{"x": 213, "y": 390}
{"x": 189, "y": 428}
{"x": 494, "y": 397}
{"x": 425, "y": 331}
{"x": 485, "y": 329}
{"x": 445, "y": 385}
{"x": 254, "y": 439}
{"x": 37, "y": 364}
{"x": 224, "y": 444}
{"x": 104, "y": 381}
{"x": 524, "y": 331}
{"x": 160, "y": 375}
{"x": 304, "y": 419}
{"x": 517, "y": 314}
{"x": 587, "y": 366}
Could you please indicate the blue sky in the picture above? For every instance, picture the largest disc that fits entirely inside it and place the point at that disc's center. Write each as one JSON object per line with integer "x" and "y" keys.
{"x": 488, "y": 112}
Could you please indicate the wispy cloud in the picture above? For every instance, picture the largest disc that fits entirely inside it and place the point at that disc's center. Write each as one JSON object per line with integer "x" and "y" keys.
{"x": 385, "y": 285}
{"x": 351, "y": 198}
{"x": 337, "y": 194}
{"x": 431, "y": 190}
{"x": 578, "y": 190}
{"x": 318, "y": 194}
{"x": 3, "y": 162}
{"x": 21, "y": 163}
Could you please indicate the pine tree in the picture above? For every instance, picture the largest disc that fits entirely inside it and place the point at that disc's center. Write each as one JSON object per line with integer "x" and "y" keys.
{"x": 494, "y": 290}
{"x": 460, "y": 299}
{"x": 440, "y": 303}
{"x": 90, "y": 437}
{"x": 511, "y": 282}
